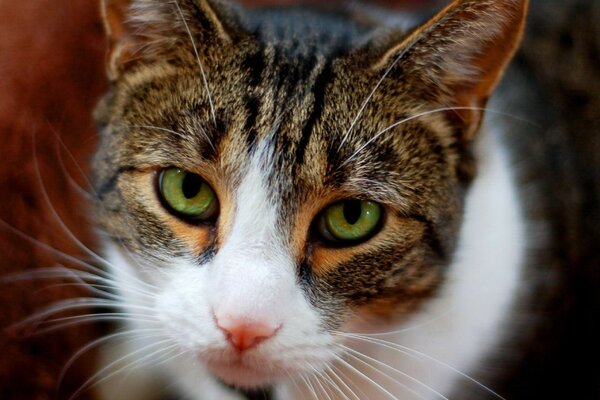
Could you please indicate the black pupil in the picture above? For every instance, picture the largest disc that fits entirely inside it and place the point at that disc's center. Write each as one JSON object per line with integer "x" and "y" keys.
{"x": 352, "y": 211}
{"x": 191, "y": 185}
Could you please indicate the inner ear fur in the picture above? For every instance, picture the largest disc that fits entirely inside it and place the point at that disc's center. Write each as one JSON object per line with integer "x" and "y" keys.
{"x": 120, "y": 36}
{"x": 142, "y": 30}
{"x": 459, "y": 56}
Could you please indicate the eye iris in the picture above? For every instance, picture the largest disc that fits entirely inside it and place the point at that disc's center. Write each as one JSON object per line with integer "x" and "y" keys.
{"x": 350, "y": 221}
{"x": 187, "y": 193}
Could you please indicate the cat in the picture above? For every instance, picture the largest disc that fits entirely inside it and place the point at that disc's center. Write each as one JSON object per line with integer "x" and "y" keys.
{"x": 281, "y": 186}
{"x": 329, "y": 203}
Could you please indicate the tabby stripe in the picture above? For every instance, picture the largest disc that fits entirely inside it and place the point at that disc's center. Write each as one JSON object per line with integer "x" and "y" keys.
{"x": 319, "y": 90}
{"x": 252, "y": 107}
{"x": 305, "y": 274}
{"x": 200, "y": 18}
{"x": 110, "y": 184}
{"x": 432, "y": 238}
{"x": 255, "y": 64}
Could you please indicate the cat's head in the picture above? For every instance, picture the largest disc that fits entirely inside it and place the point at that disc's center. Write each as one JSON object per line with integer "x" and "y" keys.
{"x": 269, "y": 177}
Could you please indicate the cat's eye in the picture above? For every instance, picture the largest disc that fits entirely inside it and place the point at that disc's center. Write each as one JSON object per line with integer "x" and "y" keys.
{"x": 349, "y": 222}
{"x": 187, "y": 194}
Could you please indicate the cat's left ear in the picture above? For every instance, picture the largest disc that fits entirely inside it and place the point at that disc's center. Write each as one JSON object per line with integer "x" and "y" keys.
{"x": 457, "y": 58}
{"x": 141, "y": 31}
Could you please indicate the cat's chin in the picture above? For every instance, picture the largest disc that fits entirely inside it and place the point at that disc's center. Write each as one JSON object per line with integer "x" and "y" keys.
{"x": 239, "y": 375}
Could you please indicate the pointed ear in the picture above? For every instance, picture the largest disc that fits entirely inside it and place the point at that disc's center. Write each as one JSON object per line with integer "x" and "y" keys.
{"x": 120, "y": 36}
{"x": 458, "y": 57}
{"x": 146, "y": 30}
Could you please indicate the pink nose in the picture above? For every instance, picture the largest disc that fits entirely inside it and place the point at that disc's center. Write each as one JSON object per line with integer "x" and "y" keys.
{"x": 243, "y": 334}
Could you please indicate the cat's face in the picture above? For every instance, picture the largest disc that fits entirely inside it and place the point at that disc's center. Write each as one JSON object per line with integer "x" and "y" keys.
{"x": 265, "y": 186}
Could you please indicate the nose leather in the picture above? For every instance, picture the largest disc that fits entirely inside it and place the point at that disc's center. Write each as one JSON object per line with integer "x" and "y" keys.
{"x": 244, "y": 335}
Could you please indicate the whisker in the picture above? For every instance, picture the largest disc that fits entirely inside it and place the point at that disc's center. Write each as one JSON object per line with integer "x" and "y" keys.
{"x": 69, "y": 305}
{"x": 159, "y": 128}
{"x": 48, "y": 248}
{"x": 333, "y": 383}
{"x": 370, "y": 97}
{"x": 95, "y": 317}
{"x": 208, "y": 92}
{"x": 364, "y": 376}
{"x": 408, "y": 350}
{"x": 423, "y": 114}
{"x": 61, "y": 223}
{"x": 345, "y": 378}
{"x": 96, "y": 380}
{"x": 341, "y": 381}
{"x": 91, "y": 186}
{"x": 81, "y": 277}
{"x": 57, "y": 217}
{"x": 404, "y": 374}
{"x": 310, "y": 387}
{"x": 322, "y": 386}
{"x": 313, "y": 383}
{"x": 95, "y": 343}
{"x": 293, "y": 381}
{"x": 78, "y": 188}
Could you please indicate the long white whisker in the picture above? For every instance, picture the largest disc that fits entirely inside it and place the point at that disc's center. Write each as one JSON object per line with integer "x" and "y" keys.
{"x": 318, "y": 375}
{"x": 320, "y": 386}
{"x": 408, "y": 350}
{"x": 96, "y": 256}
{"x": 94, "y": 380}
{"x": 82, "y": 277}
{"x": 310, "y": 387}
{"x": 404, "y": 374}
{"x": 341, "y": 381}
{"x": 54, "y": 213}
{"x": 103, "y": 291}
{"x": 419, "y": 115}
{"x": 333, "y": 382}
{"x": 72, "y": 181}
{"x": 364, "y": 376}
{"x": 48, "y": 248}
{"x": 293, "y": 381}
{"x": 208, "y": 92}
{"x": 370, "y": 97}
{"x": 93, "y": 317}
{"x": 158, "y": 128}
{"x": 72, "y": 304}
{"x": 136, "y": 333}
{"x": 344, "y": 378}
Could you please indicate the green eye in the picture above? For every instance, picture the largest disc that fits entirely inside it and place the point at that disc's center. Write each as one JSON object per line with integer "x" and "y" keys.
{"x": 349, "y": 221}
{"x": 187, "y": 194}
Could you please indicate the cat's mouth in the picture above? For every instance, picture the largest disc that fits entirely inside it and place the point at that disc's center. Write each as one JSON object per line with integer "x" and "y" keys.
{"x": 240, "y": 372}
